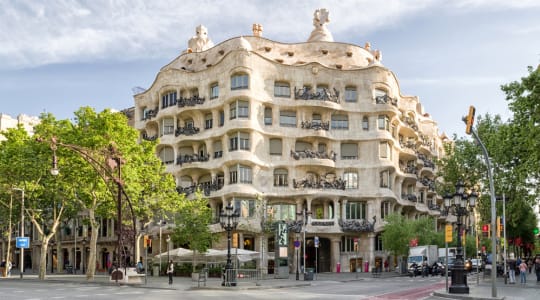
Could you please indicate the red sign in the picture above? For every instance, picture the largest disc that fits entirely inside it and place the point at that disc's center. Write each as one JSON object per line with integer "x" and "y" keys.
{"x": 413, "y": 242}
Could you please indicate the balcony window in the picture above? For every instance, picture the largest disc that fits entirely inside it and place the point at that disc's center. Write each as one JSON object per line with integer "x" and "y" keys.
{"x": 166, "y": 155}
{"x": 281, "y": 177}
{"x": 208, "y": 121}
{"x": 287, "y": 118}
{"x": 356, "y": 210}
{"x": 282, "y": 212}
{"x": 239, "y": 82}
{"x": 384, "y": 150}
{"x": 168, "y": 126}
{"x": 385, "y": 209}
{"x": 214, "y": 91}
{"x": 351, "y": 180}
{"x": 168, "y": 99}
{"x": 239, "y": 140}
{"x": 340, "y": 122}
{"x": 276, "y": 147}
{"x": 282, "y": 89}
{"x": 350, "y": 94}
{"x": 349, "y": 151}
{"x": 239, "y": 109}
{"x": 267, "y": 116}
{"x": 246, "y": 207}
{"x": 240, "y": 174}
{"x": 383, "y": 122}
{"x": 384, "y": 179}
{"x": 218, "y": 151}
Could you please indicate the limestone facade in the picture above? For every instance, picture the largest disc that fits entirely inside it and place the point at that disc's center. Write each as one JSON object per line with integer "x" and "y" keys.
{"x": 282, "y": 131}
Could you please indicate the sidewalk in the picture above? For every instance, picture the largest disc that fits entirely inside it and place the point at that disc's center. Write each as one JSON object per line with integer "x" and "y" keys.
{"x": 479, "y": 291}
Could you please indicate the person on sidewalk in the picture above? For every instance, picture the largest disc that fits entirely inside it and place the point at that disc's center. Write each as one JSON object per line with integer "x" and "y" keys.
{"x": 537, "y": 268}
{"x": 9, "y": 265}
{"x": 523, "y": 272}
{"x": 170, "y": 271}
{"x": 511, "y": 265}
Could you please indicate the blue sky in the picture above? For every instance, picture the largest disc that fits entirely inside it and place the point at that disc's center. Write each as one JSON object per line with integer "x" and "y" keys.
{"x": 56, "y": 56}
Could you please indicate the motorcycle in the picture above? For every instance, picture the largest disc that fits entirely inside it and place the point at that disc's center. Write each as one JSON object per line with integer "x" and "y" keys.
{"x": 414, "y": 270}
{"x": 437, "y": 269}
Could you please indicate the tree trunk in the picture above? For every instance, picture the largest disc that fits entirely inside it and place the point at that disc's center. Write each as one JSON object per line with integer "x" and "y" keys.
{"x": 43, "y": 258}
{"x": 91, "y": 266}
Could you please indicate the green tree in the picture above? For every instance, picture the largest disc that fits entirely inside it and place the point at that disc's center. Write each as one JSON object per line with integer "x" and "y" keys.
{"x": 192, "y": 220}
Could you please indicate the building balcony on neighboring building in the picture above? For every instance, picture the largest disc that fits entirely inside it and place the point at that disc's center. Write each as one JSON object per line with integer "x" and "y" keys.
{"x": 146, "y": 137}
{"x": 408, "y": 170}
{"x": 357, "y": 225}
{"x": 316, "y": 125}
{"x": 150, "y": 113}
{"x": 385, "y": 99}
{"x": 188, "y": 130}
{"x": 206, "y": 188}
{"x": 190, "y": 158}
{"x": 313, "y": 154}
{"x": 324, "y": 94}
{"x": 430, "y": 183}
{"x": 409, "y": 197}
{"x": 192, "y": 101}
{"x": 322, "y": 183}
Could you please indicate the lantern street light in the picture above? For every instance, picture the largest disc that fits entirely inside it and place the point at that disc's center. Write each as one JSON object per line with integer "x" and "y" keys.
{"x": 458, "y": 205}
{"x": 229, "y": 220}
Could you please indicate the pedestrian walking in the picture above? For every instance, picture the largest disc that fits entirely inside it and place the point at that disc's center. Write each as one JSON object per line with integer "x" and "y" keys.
{"x": 511, "y": 264}
{"x": 170, "y": 271}
{"x": 9, "y": 265}
{"x": 537, "y": 268}
{"x": 523, "y": 272}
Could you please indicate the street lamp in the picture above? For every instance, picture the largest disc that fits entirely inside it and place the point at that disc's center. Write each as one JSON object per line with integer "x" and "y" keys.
{"x": 21, "y": 258}
{"x": 457, "y": 205}
{"x": 296, "y": 248}
{"x": 83, "y": 252}
{"x": 228, "y": 219}
{"x": 304, "y": 221}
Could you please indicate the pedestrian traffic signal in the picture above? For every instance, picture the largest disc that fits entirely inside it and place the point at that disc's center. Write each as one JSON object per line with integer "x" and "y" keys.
{"x": 469, "y": 120}
{"x": 486, "y": 230}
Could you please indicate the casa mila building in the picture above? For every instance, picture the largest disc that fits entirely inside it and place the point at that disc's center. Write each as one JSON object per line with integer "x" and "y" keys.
{"x": 316, "y": 135}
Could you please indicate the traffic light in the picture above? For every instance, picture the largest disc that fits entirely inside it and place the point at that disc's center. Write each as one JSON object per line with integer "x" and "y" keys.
{"x": 486, "y": 230}
{"x": 147, "y": 242}
{"x": 499, "y": 228}
{"x": 469, "y": 120}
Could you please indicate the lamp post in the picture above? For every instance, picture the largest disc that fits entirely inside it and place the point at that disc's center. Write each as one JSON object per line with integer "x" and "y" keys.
{"x": 229, "y": 220}
{"x": 457, "y": 205}
{"x": 168, "y": 249}
{"x": 83, "y": 252}
{"x": 21, "y": 258}
{"x": 296, "y": 248}
{"x": 304, "y": 218}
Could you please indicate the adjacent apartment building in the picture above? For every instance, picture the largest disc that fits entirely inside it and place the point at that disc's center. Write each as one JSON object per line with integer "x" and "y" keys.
{"x": 316, "y": 135}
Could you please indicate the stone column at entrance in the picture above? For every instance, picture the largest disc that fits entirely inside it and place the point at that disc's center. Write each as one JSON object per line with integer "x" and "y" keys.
{"x": 371, "y": 256}
{"x": 335, "y": 253}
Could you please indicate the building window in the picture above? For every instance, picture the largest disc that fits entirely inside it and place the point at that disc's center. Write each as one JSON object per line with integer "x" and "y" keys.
{"x": 218, "y": 151}
{"x": 385, "y": 179}
{"x": 347, "y": 244}
{"x": 282, "y": 89}
{"x": 208, "y": 121}
{"x": 239, "y": 140}
{"x": 287, "y": 118}
{"x": 239, "y": 82}
{"x": 240, "y": 174}
{"x": 282, "y": 212}
{"x": 276, "y": 147}
{"x": 356, "y": 210}
{"x": 383, "y": 122}
{"x": 239, "y": 109}
{"x": 351, "y": 180}
{"x": 168, "y": 126}
{"x": 349, "y": 151}
{"x": 365, "y": 123}
{"x": 214, "y": 91}
{"x": 340, "y": 122}
{"x": 378, "y": 243}
{"x": 267, "y": 116}
{"x": 246, "y": 207}
{"x": 384, "y": 150}
{"x": 385, "y": 209}
{"x": 321, "y": 89}
{"x": 281, "y": 177}
{"x": 166, "y": 155}
{"x": 351, "y": 94}
{"x": 168, "y": 99}
{"x": 221, "y": 118}
{"x": 300, "y": 146}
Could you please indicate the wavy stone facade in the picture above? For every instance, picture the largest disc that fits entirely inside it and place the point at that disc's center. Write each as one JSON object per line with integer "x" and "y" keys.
{"x": 281, "y": 130}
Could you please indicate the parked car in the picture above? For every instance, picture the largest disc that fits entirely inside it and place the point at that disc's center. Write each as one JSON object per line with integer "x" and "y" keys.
{"x": 477, "y": 264}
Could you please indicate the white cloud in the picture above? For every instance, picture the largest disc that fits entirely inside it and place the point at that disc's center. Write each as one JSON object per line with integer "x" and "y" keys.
{"x": 62, "y": 31}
